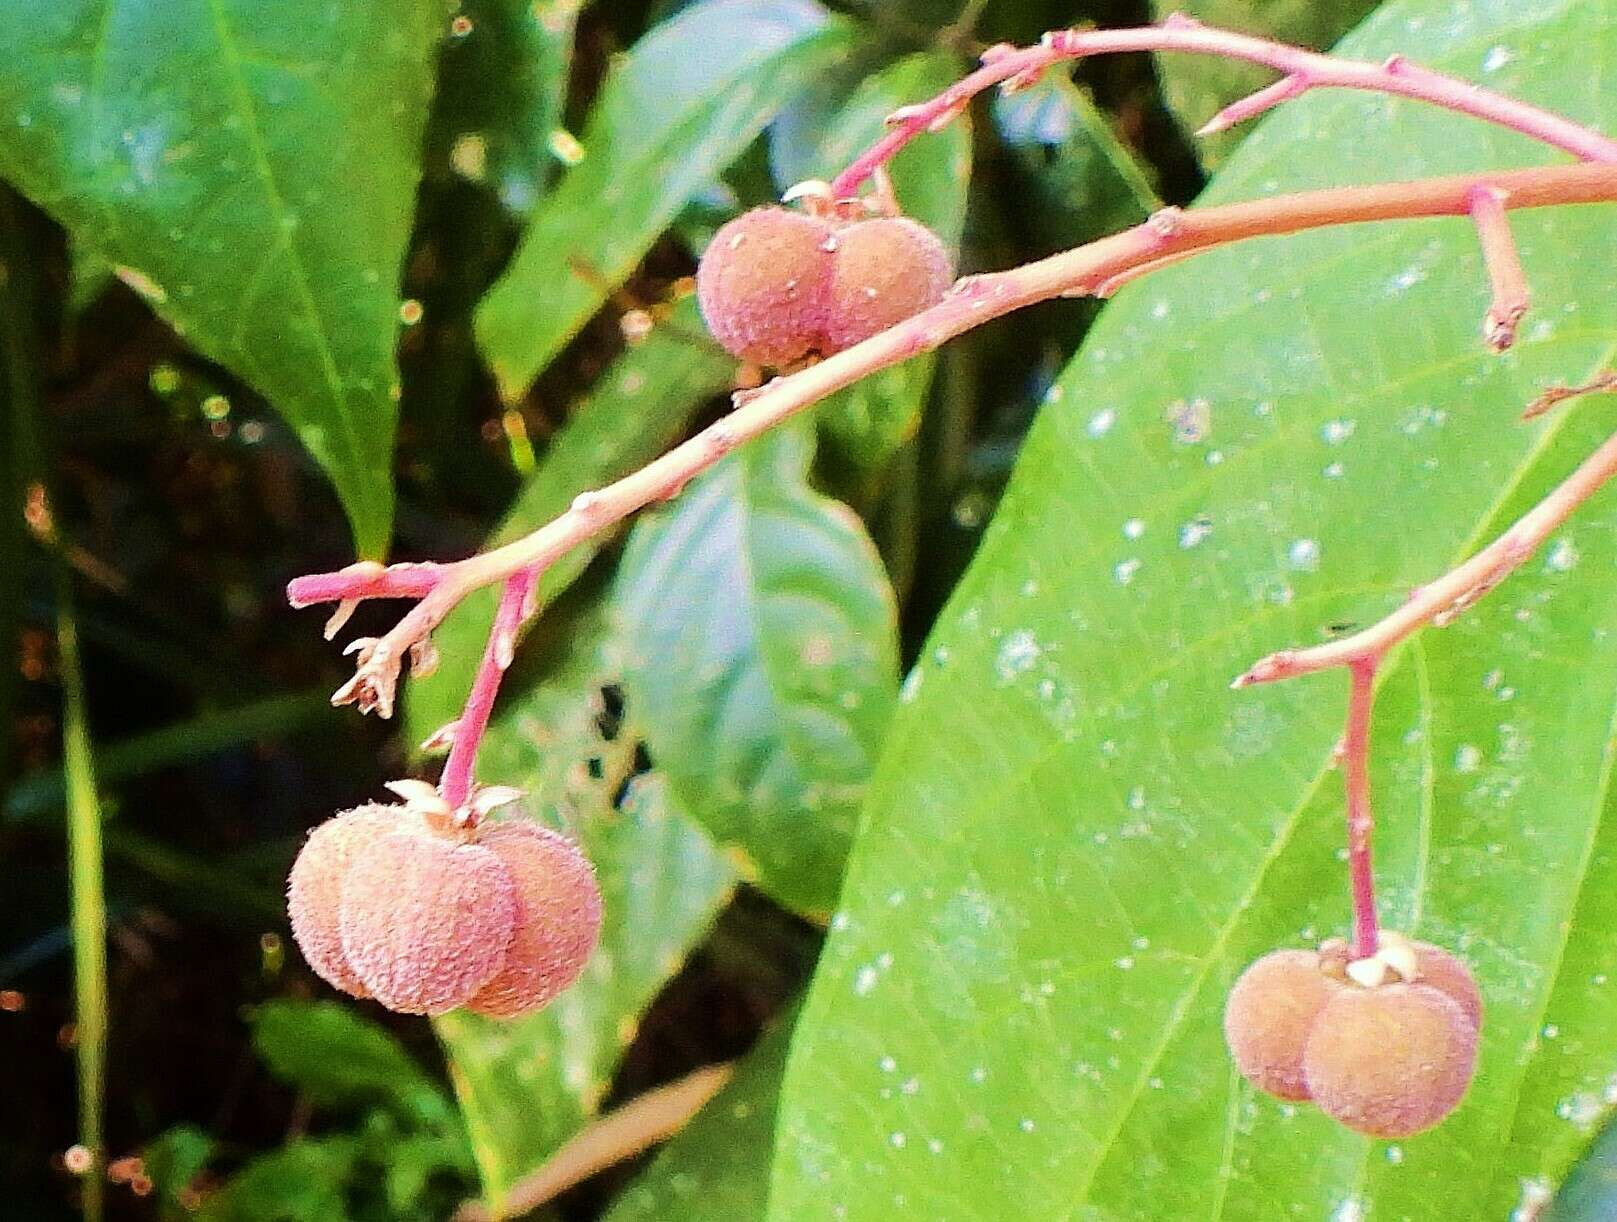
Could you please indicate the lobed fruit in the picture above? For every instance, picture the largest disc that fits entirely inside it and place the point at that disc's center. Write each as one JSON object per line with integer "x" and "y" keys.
{"x": 1270, "y": 1014}
{"x": 426, "y": 921}
{"x": 762, "y": 284}
{"x": 776, "y": 285}
{"x": 1390, "y": 1061}
{"x": 1385, "y": 1045}
{"x": 885, "y": 271}
{"x": 1448, "y": 974}
{"x": 557, "y": 923}
{"x": 314, "y": 890}
{"x": 389, "y": 903}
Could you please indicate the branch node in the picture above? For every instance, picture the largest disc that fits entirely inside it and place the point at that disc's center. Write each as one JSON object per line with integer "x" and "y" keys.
{"x": 1166, "y": 223}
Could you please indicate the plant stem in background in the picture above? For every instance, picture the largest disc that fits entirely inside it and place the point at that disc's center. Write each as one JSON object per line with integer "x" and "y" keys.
{"x": 87, "y": 893}
{"x": 89, "y": 917}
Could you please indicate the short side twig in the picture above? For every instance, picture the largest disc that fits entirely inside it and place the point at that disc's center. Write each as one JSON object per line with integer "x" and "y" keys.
{"x": 1505, "y": 275}
{"x": 455, "y": 786}
{"x": 1362, "y": 653}
{"x": 1446, "y": 598}
{"x": 1557, "y": 395}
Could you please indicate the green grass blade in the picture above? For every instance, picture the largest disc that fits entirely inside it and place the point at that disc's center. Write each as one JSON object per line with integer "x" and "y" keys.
{"x": 89, "y": 911}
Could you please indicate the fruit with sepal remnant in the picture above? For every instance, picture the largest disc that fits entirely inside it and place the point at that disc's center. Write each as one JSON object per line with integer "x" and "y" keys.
{"x": 885, "y": 270}
{"x": 762, "y": 285}
{"x": 1390, "y": 1061}
{"x": 557, "y": 923}
{"x": 1270, "y": 1014}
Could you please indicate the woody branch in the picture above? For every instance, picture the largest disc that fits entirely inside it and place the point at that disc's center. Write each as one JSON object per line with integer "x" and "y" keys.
{"x": 1094, "y": 269}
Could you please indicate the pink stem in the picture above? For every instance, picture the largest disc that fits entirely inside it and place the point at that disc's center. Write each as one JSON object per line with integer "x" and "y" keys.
{"x": 1302, "y": 70}
{"x": 456, "y": 783}
{"x": 1504, "y": 263}
{"x": 1360, "y": 824}
{"x": 366, "y": 579}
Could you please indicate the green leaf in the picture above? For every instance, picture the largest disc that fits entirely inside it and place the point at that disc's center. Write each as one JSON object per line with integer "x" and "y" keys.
{"x": 175, "y": 1159}
{"x": 1590, "y": 1191}
{"x": 410, "y": 1162}
{"x": 1199, "y": 86}
{"x": 525, "y": 1086}
{"x": 679, "y": 108}
{"x": 718, "y": 1165}
{"x": 303, "y": 1179}
{"x": 333, "y": 1054}
{"x": 1078, "y": 835}
{"x": 632, "y": 414}
{"x": 1075, "y": 180}
{"x": 502, "y": 86}
{"x": 762, "y": 661}
{"x": 871, "y": 419}
{"x": 252, "y": 168}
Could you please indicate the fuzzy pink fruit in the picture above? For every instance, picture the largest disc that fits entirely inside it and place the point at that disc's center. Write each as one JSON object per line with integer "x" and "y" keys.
{"x": 558, "y": 918}
{"x": 762, "y": 285}
{"x": 426, "y": 919}
{"x": 314, "y": 889}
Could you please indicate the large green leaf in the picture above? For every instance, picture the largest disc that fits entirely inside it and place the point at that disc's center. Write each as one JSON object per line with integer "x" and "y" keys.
{"x": 1199, "y": 86}
{"x": 762, "y": 661}
{"x": 252, "y": 168}
{"x": 678, "y": 109}
{"x": 526, "y": 1085}
{"x": 634, "y": 412}
{"x": 718, "y": 1165}
{"x": 1078, "y": 836}
{"x": 870, "y": 420}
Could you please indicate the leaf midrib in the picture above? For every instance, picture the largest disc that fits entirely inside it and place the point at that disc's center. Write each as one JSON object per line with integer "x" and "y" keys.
{"x": 330, "y": 374}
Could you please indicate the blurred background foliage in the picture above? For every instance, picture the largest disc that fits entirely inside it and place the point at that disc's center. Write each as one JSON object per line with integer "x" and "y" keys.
{"x": 177, "y": 445}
